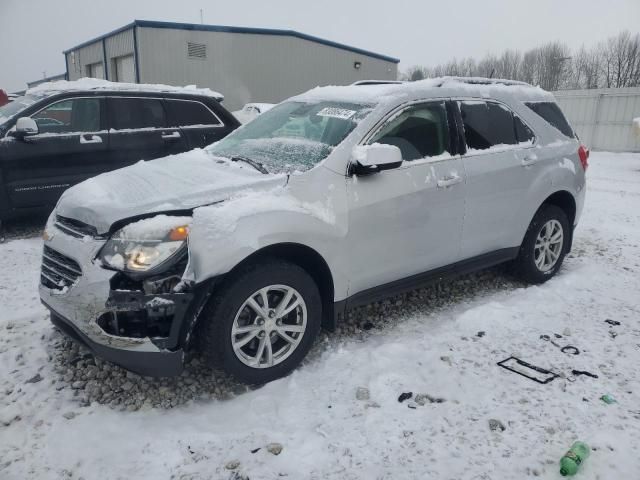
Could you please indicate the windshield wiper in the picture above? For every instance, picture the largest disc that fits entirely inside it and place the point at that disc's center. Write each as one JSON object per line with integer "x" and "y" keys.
{"x": 257, "y": 165}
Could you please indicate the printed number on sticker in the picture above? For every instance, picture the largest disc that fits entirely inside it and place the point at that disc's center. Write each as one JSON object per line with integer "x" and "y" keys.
{"x": 336, "y": 113}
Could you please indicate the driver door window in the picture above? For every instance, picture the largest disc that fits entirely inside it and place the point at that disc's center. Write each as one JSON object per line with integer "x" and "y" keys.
{"x": 420, "y": 131}
{"x": 70, "y": 116}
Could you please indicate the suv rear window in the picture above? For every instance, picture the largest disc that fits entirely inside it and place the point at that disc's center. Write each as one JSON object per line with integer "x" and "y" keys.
{"x": 553, "y": 115}
{"x": 184, "y": 113}
{"x": 135, "y": 113}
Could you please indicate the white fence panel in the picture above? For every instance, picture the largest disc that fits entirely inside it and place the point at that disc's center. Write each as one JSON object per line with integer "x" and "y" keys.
{"x": 603, "y": 117}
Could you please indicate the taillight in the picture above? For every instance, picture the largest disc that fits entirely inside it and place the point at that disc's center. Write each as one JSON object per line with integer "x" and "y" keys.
{"x": 583, "y": 153}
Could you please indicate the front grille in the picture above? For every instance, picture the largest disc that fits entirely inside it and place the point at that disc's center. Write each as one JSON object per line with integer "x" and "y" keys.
{"x": 75, "y": 228}
{"x": 58, "y": 271}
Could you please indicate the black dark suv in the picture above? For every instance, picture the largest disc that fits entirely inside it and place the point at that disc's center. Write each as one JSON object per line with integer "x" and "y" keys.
{"x": 52, "y": 139}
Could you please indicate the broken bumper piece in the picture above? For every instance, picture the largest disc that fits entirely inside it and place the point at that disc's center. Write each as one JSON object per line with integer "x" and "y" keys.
{"x": 142, "y": 333}
{"x": 144, "y": 358}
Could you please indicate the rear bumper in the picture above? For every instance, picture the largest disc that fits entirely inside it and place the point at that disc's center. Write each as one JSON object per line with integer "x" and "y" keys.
{"x": 152, "y": 363}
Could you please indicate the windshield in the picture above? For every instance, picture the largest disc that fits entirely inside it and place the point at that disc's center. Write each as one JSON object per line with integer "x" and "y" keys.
{"x": 293, "y": 135}
{"x": 15, "y": 107}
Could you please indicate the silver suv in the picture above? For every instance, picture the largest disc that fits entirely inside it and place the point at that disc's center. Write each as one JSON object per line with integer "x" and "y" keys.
{"x": 332, "y": 199}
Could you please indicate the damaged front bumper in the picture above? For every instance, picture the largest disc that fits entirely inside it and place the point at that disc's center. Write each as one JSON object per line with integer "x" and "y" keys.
{"x": 144, "y": 333}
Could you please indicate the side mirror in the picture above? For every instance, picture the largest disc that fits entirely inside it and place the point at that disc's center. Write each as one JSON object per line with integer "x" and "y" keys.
{"x": 25, "y": 126}
{"x": 368, "y": 159}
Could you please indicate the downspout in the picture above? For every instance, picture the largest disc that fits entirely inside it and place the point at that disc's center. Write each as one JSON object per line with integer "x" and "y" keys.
{"x": 104, "y": 58}
{"x": 135, "y": 52}
{"x": 66, "y": 66}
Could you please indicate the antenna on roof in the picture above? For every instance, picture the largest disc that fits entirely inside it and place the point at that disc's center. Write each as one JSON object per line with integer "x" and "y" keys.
{"x": 201, "y": 16}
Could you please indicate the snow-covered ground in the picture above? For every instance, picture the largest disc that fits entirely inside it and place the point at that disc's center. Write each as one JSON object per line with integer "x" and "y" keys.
{"x": 426, "y": 342}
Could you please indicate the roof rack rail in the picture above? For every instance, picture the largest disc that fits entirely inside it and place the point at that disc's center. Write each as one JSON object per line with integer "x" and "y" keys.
{"x": 484, "y": 81}
{"x": 378, "y": 82}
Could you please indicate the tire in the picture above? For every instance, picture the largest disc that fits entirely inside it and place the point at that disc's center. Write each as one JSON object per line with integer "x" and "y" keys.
{"x": 231, "y": 306}
{"x": 527, "y": 264}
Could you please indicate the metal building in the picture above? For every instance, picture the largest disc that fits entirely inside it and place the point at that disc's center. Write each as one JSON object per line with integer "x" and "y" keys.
{"x": 244, "y": 64}
{"x": 603, "y": 117}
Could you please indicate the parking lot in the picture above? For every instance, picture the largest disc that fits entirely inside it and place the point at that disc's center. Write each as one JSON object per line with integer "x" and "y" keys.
{"x": 66, "y": 414}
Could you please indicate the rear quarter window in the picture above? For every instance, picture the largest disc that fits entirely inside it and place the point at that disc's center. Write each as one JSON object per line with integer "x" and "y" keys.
{"x": 551, "y": 112}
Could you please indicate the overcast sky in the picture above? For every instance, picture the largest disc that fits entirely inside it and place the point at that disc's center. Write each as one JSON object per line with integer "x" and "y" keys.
{"x": 34, "y": 33}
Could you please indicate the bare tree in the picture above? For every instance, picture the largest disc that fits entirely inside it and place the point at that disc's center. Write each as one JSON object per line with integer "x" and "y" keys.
{"x": 415, "y": 74}
{"x": 621, "y": 60}
{"x": 612, "y": 63}
{"x": 586, "y": 69}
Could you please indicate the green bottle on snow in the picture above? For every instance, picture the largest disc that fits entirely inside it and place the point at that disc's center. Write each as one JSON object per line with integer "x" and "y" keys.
{"x": 571, "y": 461}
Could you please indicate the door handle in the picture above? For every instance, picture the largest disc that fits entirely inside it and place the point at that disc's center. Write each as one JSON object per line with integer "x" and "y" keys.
{"x": 171, "y": 136}
{"x": 529, "y": 160}
{"x": 449, "y": 180}
{"x": 90, "y": 139}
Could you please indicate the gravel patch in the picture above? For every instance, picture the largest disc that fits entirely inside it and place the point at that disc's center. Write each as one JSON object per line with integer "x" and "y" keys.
{"x": 94, "y": 380}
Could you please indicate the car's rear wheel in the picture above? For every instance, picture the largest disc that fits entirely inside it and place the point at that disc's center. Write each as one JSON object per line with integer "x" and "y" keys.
{"x": 545, "y": 244}
{"x": 262, "y": 322}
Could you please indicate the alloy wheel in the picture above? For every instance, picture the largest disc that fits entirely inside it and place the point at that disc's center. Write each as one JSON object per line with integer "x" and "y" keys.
{"x": 548, "y": 246}
{"x": 269, "y": 326}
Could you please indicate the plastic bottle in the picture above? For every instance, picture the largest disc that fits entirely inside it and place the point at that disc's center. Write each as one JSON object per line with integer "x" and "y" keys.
{"x": 572, "y": 460}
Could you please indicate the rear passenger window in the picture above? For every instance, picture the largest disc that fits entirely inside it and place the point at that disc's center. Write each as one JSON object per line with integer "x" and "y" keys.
{"x": 419, "y": 132}
{"x": 136, "y": 113}
{"x": 487, "y": 124}
{"x": 553, "y": 115}
{"x": 183, "y": 113}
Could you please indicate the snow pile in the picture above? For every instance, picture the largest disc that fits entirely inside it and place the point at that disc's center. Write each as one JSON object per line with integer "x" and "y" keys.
{"x": 97, "y": 84}
{"x": 177, "y": 182}
{"x": 441, "y": 86}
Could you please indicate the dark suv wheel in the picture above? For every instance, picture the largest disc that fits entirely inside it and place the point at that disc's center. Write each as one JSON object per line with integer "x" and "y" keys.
{"x": 262, "y": 322}
{"x": 544, "y": 246}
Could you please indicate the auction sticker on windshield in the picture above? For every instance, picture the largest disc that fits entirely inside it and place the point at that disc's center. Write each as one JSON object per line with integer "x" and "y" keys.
{"x": 336, "y": 113}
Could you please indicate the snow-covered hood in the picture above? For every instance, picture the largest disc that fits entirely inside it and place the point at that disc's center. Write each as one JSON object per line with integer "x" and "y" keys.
{"x": 178, "y": 182}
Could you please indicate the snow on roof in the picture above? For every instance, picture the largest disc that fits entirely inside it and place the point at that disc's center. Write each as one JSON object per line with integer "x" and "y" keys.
{"x": 468, "y": 86}
{"x": 85, "y": 84}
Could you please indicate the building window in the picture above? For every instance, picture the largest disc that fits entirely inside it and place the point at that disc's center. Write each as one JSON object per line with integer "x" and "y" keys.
{"x": 196, "y": 50}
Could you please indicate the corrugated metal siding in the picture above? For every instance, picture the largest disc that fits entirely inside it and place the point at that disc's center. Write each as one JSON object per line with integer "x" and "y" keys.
{"x": 80, "y": 58}
{"x": 251, "y": 67}
{"x": 603, "y": 117}
{"x": 120, "y": 44}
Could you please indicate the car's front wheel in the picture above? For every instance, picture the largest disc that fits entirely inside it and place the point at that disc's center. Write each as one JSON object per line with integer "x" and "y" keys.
{"x": 262, "y": 322}
{"x": 545, "y": 244}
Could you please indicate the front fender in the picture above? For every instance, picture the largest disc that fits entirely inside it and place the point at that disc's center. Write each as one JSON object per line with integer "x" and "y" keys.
{"x": 223, "y": 235}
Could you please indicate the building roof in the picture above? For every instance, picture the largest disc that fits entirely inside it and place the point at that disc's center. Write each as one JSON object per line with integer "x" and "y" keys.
{"x": 229, "y": 29}
{"x": 50, "y": 78}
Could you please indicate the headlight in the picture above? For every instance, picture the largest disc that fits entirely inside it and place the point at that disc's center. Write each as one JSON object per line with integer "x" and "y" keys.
{"x": 146, "y": 245}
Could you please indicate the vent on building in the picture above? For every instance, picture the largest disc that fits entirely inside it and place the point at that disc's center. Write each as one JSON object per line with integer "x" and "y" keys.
{"x": 196, "y": 50}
